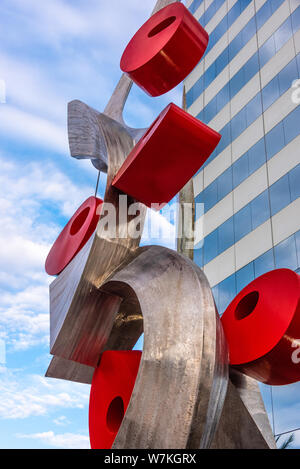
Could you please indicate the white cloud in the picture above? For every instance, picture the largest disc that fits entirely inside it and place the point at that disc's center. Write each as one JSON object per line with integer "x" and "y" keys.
{"x": 60, "y": 21}
{"x": 64, "y": 441}
{"x": 158, "y": 230}
{"x": 32, "y": 395}
{"x": 37, "y": 96}
{"x": 24, "y": 310}
{"x": 31, "y": 89}
{"x": 25, "y": 317}
{"x": 32, "y": 128}
{"x": 61, "y": 421}
{"x": 24, "y": 190}
{"x": 40, "y": 183}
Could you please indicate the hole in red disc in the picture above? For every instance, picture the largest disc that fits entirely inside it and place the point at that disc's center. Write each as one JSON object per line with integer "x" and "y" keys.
{"x": 79, "y": 221}
{"x": 247, "y": 305}
{"x": 161, "y": 26}
{"x": 115, "y": 414}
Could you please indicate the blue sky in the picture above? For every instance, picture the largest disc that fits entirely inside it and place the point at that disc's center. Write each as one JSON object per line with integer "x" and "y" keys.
{"x": 52, "y": 52}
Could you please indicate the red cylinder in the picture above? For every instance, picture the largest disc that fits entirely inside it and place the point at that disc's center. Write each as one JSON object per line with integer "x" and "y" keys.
{"x": 112, "y": 386}
{"x": 167, "y": 157}
{"x": 164, "y": 50}
{"x": 262, "y": 327}
{"x": 74, "y": 236}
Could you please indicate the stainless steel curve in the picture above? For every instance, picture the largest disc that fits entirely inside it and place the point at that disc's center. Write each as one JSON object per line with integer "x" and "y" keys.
{"x": 180, "y": 360}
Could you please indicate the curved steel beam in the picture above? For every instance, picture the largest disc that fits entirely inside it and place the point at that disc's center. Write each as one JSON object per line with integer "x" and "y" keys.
{"x": 184, "y": 361}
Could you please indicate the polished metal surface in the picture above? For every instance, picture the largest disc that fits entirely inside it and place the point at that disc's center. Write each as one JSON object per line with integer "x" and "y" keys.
{"x": 60, "y": 368}
{"x": 186, "y": 215}
{"x": 237, "y": 429}
{"x": 219, "y": 389}
{"x": 184, "y": 357}
{"x": 249, "y": 392}
{"x": 89, "y": 132}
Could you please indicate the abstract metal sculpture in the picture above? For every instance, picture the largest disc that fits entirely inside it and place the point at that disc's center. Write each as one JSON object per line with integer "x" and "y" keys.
{"x": 112, "y": 290}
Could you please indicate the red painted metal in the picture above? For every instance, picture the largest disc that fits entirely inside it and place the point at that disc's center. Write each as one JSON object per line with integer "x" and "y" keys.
{"x": 74, "y": 236}
{"x": 164, "y": 50}
{"x": 112, "y": 386}
{"x": 167, "y": 156}
{"x": 262, "y": 326}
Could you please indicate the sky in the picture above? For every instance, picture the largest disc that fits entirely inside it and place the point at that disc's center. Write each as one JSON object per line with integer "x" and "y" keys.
{"x": 51, "y": 53}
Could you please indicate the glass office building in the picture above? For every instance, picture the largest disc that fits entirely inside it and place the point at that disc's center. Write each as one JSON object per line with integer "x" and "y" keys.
{"x": 246, "y": 88}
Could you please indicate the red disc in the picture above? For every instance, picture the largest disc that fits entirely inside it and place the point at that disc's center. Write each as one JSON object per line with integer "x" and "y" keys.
{"x": 262, "y": 327}
{"x": 167, "y": 157}
{"x": 74, "y": 236}
{"x": 165, "y": 50}
{"x": 112, "y": 386}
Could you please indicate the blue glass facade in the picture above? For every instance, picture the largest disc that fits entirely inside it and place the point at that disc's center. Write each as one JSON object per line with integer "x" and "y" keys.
{"x": 265, "y": 97}
{"x": 273, "y": 142}
{"x": 268, "y": 203}
{"x": 247, "y": 193}
{"x": 274, "y": 25}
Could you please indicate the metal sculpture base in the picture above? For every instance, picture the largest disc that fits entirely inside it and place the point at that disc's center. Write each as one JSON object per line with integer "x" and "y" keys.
{"x": 184, "y": 362}
{"x": 113, "y": 290}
